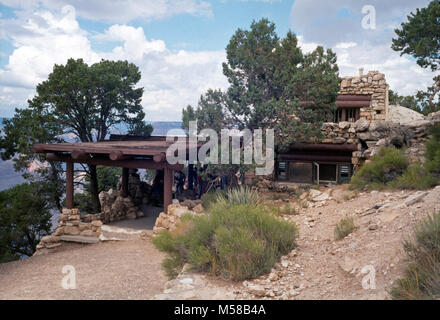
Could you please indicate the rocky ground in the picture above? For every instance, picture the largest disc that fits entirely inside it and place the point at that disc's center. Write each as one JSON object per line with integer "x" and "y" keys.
{"x": 322, "y": 267}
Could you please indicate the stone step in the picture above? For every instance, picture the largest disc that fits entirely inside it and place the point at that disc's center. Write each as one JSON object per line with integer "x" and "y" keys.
{"x": 111, "y": 233}
{"x": 79, "y": 239}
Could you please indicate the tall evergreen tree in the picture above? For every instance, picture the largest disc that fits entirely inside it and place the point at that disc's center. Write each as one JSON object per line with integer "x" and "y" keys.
{"x": 420, "y": 38}
{"x": 273, "y": 84}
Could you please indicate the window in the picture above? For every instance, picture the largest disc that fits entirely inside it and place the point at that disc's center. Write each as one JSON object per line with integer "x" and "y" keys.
{"x": 300, "y": 172}
{"x": 347, "y": 114}
{"x": 282, "y": 170}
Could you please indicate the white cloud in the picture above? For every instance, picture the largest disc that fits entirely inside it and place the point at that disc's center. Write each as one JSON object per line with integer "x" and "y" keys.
{"x": 171, "y": 79}
{"x": 345, "y": 45}
{"x": 337, "y": 25}
{"x": 120, "y": 11}
{"x": 44, "y": 40}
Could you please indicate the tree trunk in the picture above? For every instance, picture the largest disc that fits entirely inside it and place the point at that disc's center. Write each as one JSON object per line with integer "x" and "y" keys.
{"x": 436, "y": 90}
{"x": 94, "y": 188}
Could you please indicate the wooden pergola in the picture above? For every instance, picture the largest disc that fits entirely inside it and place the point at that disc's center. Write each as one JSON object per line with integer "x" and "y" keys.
{"x": 129, "y": 153}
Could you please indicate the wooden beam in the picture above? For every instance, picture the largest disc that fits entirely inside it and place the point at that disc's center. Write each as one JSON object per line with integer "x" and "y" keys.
{"x": 80, "y": 154}
{"x": 354, "y": 97}
{"x": 167, "y": 188}
{"x": 69, "y": 185}
{"x": 124, "y": 182}
{"x": 323, "y": 146}
{"x": 131, "y": 163}
{"x": 159, "y": 157}
{"x": 316, "y": 157}
{"x": 352, "y": 104}
{"x": 117, "y": 155}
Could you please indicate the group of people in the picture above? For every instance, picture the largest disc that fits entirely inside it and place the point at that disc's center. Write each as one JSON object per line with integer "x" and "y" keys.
{"x": 195, "y": 181}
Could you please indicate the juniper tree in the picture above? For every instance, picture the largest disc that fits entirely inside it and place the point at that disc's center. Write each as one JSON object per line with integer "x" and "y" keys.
{"x": 81, "y": 101}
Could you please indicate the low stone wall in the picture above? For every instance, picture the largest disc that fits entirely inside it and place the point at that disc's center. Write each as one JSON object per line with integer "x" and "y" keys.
{"x": 168, "y": 221}
{"x": 72, "y": 227}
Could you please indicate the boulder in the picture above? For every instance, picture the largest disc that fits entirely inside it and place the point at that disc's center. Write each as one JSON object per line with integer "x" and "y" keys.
{"x": 361, "y": 125}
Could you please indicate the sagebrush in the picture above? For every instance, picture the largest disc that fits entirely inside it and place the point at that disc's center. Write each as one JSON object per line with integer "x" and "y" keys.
{"x": 421, "y": 278}
{"x": 236, "y": 242}
{"x": 344, "y": 227}
{"x": 385, "y": 166}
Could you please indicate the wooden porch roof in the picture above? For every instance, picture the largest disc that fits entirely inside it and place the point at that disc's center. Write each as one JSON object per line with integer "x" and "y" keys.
{"x": 125, "y": 148}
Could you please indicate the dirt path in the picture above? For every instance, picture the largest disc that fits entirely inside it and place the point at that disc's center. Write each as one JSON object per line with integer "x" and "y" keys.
{"x": 106, "y": 270}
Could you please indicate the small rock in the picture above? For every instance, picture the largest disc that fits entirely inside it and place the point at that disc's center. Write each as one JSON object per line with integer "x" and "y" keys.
{"x": 372, "y": 226}
{"x": 273, "y": 276}
{"x": 186, "y": 281}
{"x": 348, "y": 264}
{"x": 96, "y": 223}
{"x": 257, "y": 290}
{"x": 414, "y": 198}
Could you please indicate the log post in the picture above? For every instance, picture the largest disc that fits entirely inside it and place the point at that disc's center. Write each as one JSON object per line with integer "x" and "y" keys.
{"x": 344, "y": 114}
{"x": 69, "y": 185}
{"x": 167, "y": 188}
{"x": 124, "y": 185}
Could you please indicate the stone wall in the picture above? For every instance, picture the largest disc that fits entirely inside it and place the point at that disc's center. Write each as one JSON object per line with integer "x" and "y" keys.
{"x": 114, "y": 207}
{"x": 372, "y": 83}
{"x": 167, "y": 221}
{"x": 139, "y": 191}
{"x": 370, "y": 136}
{"x": 72, "y": 227}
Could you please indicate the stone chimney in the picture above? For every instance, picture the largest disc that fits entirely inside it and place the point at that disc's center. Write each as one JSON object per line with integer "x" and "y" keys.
{"x": 361, "y": 72}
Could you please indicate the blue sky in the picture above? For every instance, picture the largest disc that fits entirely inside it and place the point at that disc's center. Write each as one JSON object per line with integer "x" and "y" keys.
{"x": 179, "y": 44}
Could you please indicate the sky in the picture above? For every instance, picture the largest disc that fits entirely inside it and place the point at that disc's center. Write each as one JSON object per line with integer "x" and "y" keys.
{"x": 179, "y": 45}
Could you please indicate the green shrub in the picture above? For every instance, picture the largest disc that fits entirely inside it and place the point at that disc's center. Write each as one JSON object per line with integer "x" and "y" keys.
{"x": 232, "y": 241}
{"x": 421, "y": 278}
{"x": 241, "y": 195}
{"x": 24, "y": 219}
{"x": 416, "y": 176}
{"x": 385, "y": 166}
{"x": 209, "y": 198}
{"x": 344, "y": 227}
{"x": 283, "y": 210}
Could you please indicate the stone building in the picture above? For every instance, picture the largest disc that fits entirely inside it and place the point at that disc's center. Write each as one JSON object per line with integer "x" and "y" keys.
{"x": 360, "y": 126}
